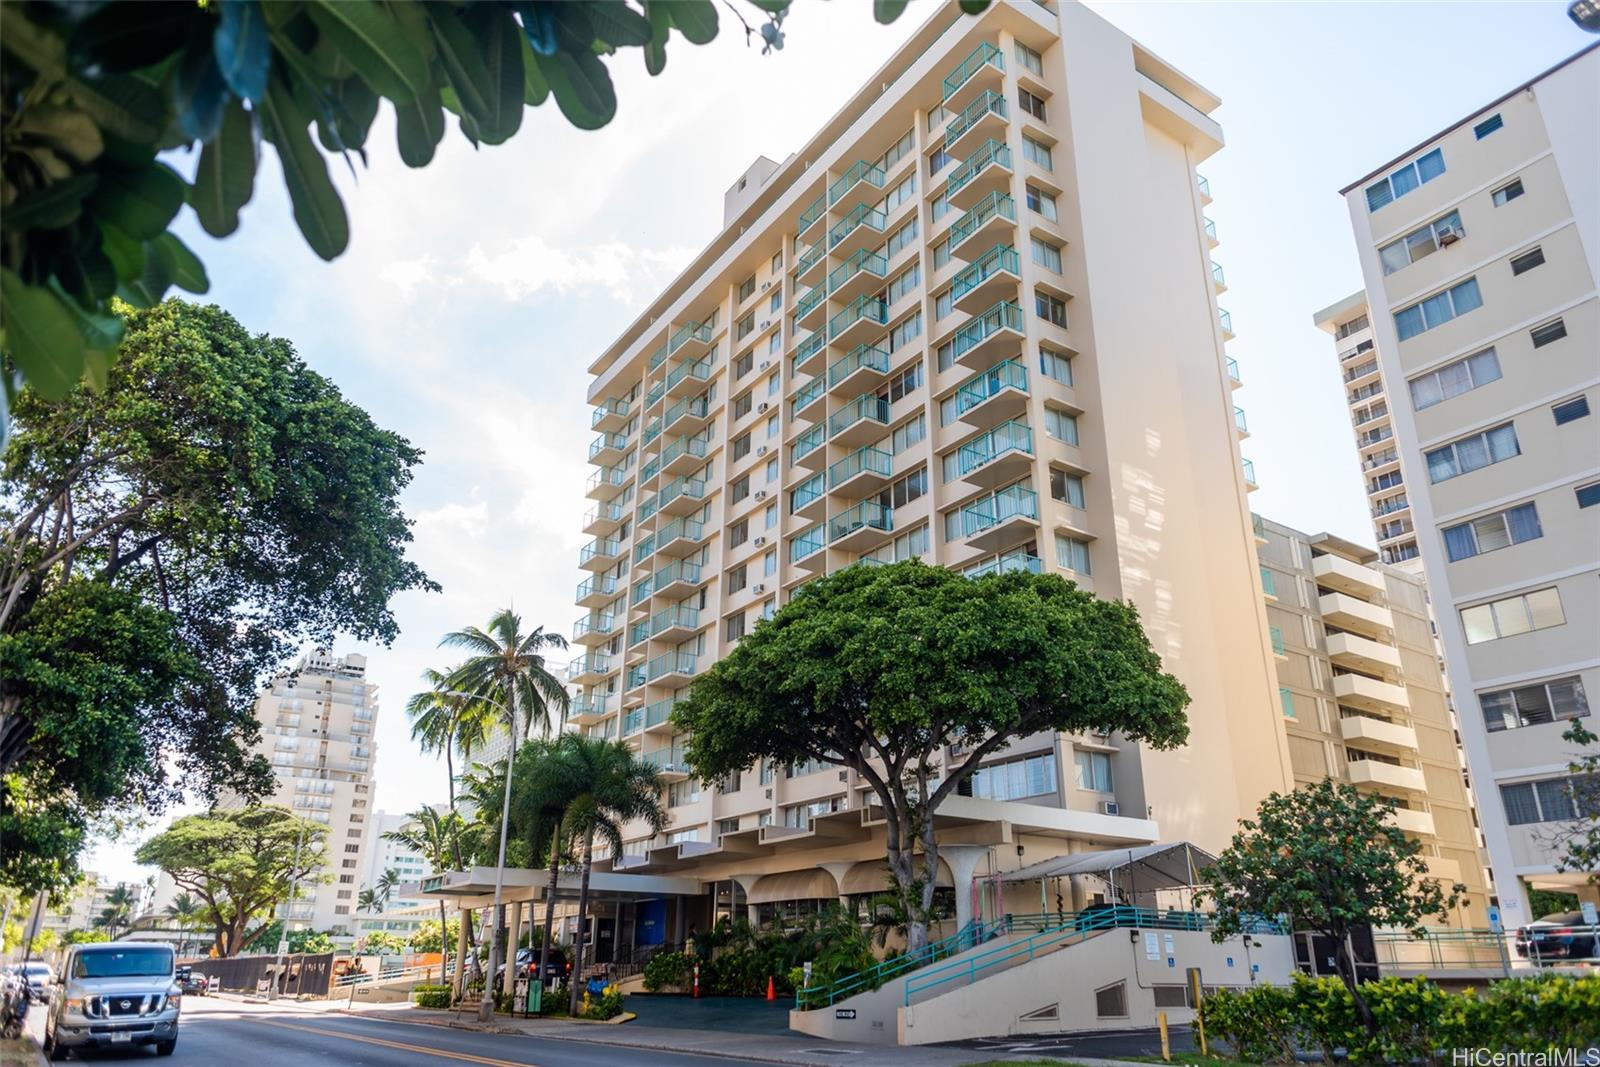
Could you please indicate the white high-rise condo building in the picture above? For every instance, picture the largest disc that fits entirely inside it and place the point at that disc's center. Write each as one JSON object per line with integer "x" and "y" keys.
{"x": 973, "y": 320}
{"x": 1480, "y": 249}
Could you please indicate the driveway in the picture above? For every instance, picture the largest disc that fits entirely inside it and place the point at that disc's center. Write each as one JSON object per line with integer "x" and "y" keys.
{"x": 734, "y": 1015}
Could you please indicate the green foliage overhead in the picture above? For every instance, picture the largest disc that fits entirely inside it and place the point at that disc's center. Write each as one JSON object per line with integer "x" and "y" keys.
{"x": 1577, "y": 841}
{"x": 880, "y": 669}
{"x": 426, "y": 936}
{"x": 241, "y": 863}
{"x": 384, "y": 943}
{"x": 310, "y": 941}
{"x": 94, "y": 94}
{"x": 85, "y": 937}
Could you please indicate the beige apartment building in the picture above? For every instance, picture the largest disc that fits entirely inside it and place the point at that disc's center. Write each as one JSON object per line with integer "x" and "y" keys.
{"x": 1362, "y": 695}
{"x": 317, "y": 725}
{"x": 973, "y": 320}
{"x": 1480, "y": 249}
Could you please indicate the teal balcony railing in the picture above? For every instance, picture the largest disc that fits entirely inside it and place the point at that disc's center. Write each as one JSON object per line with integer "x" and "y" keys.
{"x": 1211, "y": 228}
{"x": 1239, "y": 421}
{"x": 652, "y": 431}
{"x": 695, "y": 447}
{"x": 990, "y": 101}
{"x": 609, "y": 511}
{"x": 693, "y": 488}
{"x": 641, "y": 592}
{"x": 1012, "y": 561}
{"x": 1216, "y": 274}
{"x": 659, "y": 356}
{"x": 601, "y": 547}
{"x": 689, "y": 331}
{"x": 1225, "y": 320}
{"x": 865, "y": 406}
{"x": 808, "y": 442}
{"x": 607, "y": 442}
{"x": 863, "y": 260}
{"x": 596, "y": 622}
{"x": 657, "y": 391}
{"x": 608, "y": 476}
{"x": 1233, "y": 370}
{"x": 860, "y": 171}
{"x": 985, "y": 55}
{"x": 633, "y": 722}
{"x": 1002, "y": 257}
{"x": 860, "y": 215}
{"x": 1276, "y": 635}
{"x": 810, "y": 257}
{"x": 638, "y": 632}
{"x": 681, "y": 571}
{"x": 667, "y": 760}
{"x": 594, "y": 704}
{"x": 603, "y": 584}
{"x": 1205, "y": 186}
{"x": 808, "y": 303}
{"x": 807, "y": 394}
{"x": 650, "y": 469}
{"x": 1004, "y": 315}
{"x": 647, "y": 507}
{"x": 1013, "y": 436}
{"x": 605, "y": 411}
{"x": 695, "y": 406}
{"x": 699, "y": 370}
{"x": 636, "y": 677}
{"x": 862, "y": 355}
{"x": 670, "y": 663}
{"x": 990, "y": 511}
{"x": 677, "y": 617}
{"x": 1249, "y": 471}
{"x": 644, "y": 548}
{"x": 994, "y": 204}
{"x": 592, "y": 663}
{"x": 992, "y": 151}
{"x": 812, "y": 213}
{"x": 865, "y": 458}
{"x": 806, "y": 492}
{"x": 869, "y": 308}
{"x": 868, "y": 514}
{"x": 990, "y": 383}
{"x": 1259, "y": 525}
{"x": 807, "y": 541}
{"x": 810, "y": 346}
{"x": 689, "y": 529}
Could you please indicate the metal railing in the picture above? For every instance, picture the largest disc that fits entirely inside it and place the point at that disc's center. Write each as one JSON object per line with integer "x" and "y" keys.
{"x": 986, "y": 54}
{"x": 969, "y": 936}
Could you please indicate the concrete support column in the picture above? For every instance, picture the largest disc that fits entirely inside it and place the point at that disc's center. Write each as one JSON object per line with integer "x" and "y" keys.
{"x": 463, "y": 920}
{"x": 963, "y": 862}
{"x": 513, "y": 934}
{"x": 747, "y": 882}
{"x": 838, "y": 868}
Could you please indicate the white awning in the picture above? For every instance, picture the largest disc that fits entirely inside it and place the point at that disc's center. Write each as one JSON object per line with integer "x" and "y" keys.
{"x": 872, "y": 876}
{"x": 813, "y": 883}
{"x": 1177, "y": 864}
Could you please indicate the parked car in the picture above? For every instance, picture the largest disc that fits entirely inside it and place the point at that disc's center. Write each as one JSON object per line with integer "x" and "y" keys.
{"x": 115, "y": 994}
{"x": 193, "y": 984}
{"x": 528, "y": 963}
{"x": 1561, "y": 936}
{"x": 37, "y": 974}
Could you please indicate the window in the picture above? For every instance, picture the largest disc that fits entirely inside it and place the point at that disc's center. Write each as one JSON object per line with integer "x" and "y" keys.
{"x": 1512, "y": 615}
{"x": 1438, "y": 309}
{"x": 905, "y": 283}
{"x": 1072, "y": 554}
{"x": 1041, "y": 203}
{"x": 1490, "y": 532}
{"x": 1453, "y": 379}
{"x": 1418, "y": 243}
{"x": 772, "y": 426}
{"x": 769, "y": 562}
{"x": 1588, "y": 495}
{"x": 1037, "y": 153}
{"x": 909, "y": 488}
{"x": 1534, "y": 705}
{"x": 907, "y": 434}
{"x": 741, "y": 446}
{"x": 898, "y": 150}
{"x": 1507, "y": 193}
{"x": 774, "y": 345}
{"x": 733, "y": 627}
{"x": 1067, "y": 488}
{"x": 1030, "y": 103}
{"x": 685, "y": 792}
{"x": 737, "y": 578}
{"x": 941, "y": 254}
{"x": 1029, "y": 60}
{"x": 904, "y": 383}
{"x": 1055, "y": 366}
{"x": 1488, "y": 126}
{"x": 939, "y": 208}
{"x": 1570, "y": 410}
{"x": 742, "y": 406}
{"x": 739, "y": 489}
{"x": 1269, "y": 583}
{"x": 1471, "y": 453}
{"x": 772, "y": 470}
{"x": 1355, "y": 325}
{"x": 906, "y": 331}
{"x": 1050, "y": 308}
{"x": 747, "y": 288}
{"x": 1015, "y": 779}
{"x": 738, "y": 533}
{"x": 777, "y": 261}
{"x": 1550, "y": 331}
{"x": 1527, "y": 261}
{"x": 1061, "y": 425}
{"x": 1286, "y": 698}
{"x": 938, "y": 159}
{"x": 1046, "y": 254}
{"x": 1093, "y": 771}
{"x": 1410, "y": 177}
{"x": 776, "y": 302}
{"x": 1549, "y": 800}
{"x": 903, "y": 191}
{"x": 747, "y": 326}
{"x": 944, "y": 304}
{"x": 900, "y": 239}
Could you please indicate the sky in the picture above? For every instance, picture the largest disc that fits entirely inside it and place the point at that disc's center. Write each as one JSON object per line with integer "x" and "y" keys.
{"x": 477, "y": 290}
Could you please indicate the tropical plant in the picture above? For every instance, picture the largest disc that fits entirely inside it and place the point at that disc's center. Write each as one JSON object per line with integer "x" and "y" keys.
{"x": 367, "y": 901}
{"x": 383, "y": 943}
{"x": 425, "y": 938}
{"x": 84, "y": 937}
{"x": 312, "y": 942}
{"x": 443, "y": 720}
{"x": 186, "y": 912}
{"x": 434, "y": 837}
{"x": 388, "y": 882}
{"x": 883, "y": 669}
{"x": 118, "y": 910}
{"x": 1331, "y": 858}
{"x": 241, "y": 862}
{"x": 1576, "y": 842}
{"x": 540, "y": 796}
{"x": 667, "y": 969}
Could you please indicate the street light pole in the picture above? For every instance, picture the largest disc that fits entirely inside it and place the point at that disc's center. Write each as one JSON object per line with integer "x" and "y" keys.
{"x": 486, "y": 1005}
{"x": 283, "y": 934}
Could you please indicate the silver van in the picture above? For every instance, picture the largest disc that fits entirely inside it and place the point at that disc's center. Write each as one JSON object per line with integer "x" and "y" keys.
{"x": 114, "y": 994}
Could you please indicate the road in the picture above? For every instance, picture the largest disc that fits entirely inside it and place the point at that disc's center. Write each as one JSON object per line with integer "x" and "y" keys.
{"x": 225, "y": 1033}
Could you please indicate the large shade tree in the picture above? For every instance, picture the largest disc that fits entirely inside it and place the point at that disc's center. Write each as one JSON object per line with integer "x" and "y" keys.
{"x": 881, "y": 669}
{"x": 241, "y": 863}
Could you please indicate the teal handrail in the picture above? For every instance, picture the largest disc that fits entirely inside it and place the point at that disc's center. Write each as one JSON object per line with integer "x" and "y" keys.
{"x": 969, "y": 936}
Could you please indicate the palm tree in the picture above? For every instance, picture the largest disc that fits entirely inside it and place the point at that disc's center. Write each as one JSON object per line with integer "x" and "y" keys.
{"x": 186, "y": 911}
{"x": 444, "y": 720}
{"x": 505, "y": 668}
{"x": 119, "y": 909}
{"x": 389, "y": 880}
{"x": 367, "y": 901}
{"x": 543, "y": 789}
{"x": 433, "y": 836}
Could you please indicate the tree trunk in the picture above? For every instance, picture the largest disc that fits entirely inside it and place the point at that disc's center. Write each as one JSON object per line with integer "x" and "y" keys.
{"x": 444, "y": 944}
{"x": 583, "y": 922}
{"x": 902, "y": 868}
{"x": 498, "y": 918}
{"x": 455, "y": 838}
{"x": 1347, "y": 973}
{"x": 550, "y": 904}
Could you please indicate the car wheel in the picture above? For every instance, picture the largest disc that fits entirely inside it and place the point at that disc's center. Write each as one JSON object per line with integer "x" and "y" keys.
{"x": 52, "y": 1047}
{"x": 164, "y": 1048}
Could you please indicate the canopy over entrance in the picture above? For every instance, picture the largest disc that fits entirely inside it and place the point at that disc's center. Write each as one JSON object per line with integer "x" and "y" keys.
{"x": 1149, "y": 871}
{"x": 811, "y": 884}
{"x": 872, "y": 876}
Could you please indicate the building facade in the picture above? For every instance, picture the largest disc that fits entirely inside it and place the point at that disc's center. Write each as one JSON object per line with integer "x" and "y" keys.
{"x": 1480, "y": 250}
{"x": 401, "y": 915}
{"x": 317, "y": 726}
{"x": 1363, "y": 697}
{"x": 930, "y": 333}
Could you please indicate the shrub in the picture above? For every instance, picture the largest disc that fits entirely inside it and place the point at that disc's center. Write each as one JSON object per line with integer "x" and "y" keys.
{"x": 607, "y": 1005}
{"x": 668, "y": 969}
{"x": 1257, "y": 1025}
{"x": 431, "y": 996}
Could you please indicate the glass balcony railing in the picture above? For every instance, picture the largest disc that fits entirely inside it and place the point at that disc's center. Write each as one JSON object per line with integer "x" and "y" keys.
{"x": 670, "y": 663}
{"x": 1004, "y": 315}
{"x": 657, "y": 391}
{"x": 808, "y": 394}
{"x": 1259, "y": 525}
{"x": 681, "y": 571}
{"x": 636, "y": 676}
{"x": 810, "y": 346}
{"x": 807, "y": 541}
{"x": 1211, "y": 229}
{"x": 644, "y": 548}
{"x": 806, "y": 493}
{"x": 607, "y": 442}
{"x": 808, "y": 303}
{"x": 1233, "y": 370}
{"x": 990, "y": 206}
{"x": 668, "y": 760}
{"x": 865, "y": 458}
{"x": 652, "y": 430}
{"x": 600, "y": 547}
{"x": 699, "y": 371}
{"x": 991, "y": 383}
{"x": 608, "y": 476}
{"x": 808, "y": 442}
{"x": 641, "y": 592}
{"x": 1020, "y": 560}
{"x": 650, "y": 469}
{"x": 677, "y": 617}
{"x": 1225, "y": 320}
{"x": 812, "y": 213}
{"x": 863, "y": 260}
{"x": 1205, "y": 186}
{"x": 1002, "y": 257}
{"x": 593, "y": 663}
{"x": 992, "y": 151}
{"x": 693, "y": 488}
{"x": 868, "y": 308}
{"x": 1277, "y": 640}
{"x": 650, "y": 715}
{"x": 689, "y": 331}
{"x": 869, "y": 514}
{"x": 1013, "y": 436}
{"x": 591, "y": 705}
{"x": 1238, "y": 420}
{"x": 610, "y": 512}
{"x": 694, "y": 406}
{"x": 1216, "y": 274}
{"x": 687, "y": 529}
{"x": 990, "y": 511}
{"x": 866, "y": 406}
{"x": 990, "y": 101}
{"x": 694, "y": 447}
{"x": 860, "y": 171}
{"x": 810, "y": 257}
{"x": 1249, "y": 471}
{"x": 860, "y": 215}
{"x": 985, "y": 55}
{"x": 617, "y": 408}
{"x": 659, "y": 356}
{"x": 603, "y": 584}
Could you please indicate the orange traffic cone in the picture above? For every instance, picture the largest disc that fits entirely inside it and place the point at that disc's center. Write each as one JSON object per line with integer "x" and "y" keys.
{"x": 772, "y": 990}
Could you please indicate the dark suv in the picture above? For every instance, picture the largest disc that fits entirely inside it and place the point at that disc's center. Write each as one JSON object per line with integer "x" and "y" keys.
{"x": 1561, "y": 936}
{"x": 528, "y": 963}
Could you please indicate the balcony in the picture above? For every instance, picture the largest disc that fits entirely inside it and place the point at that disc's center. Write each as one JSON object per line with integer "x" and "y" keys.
{"x": 803, "y": 405}
{"x": 812, "y": 307}
{"x": 689, "y": 376}
{"x": 658, "y": 357}
{"x": 1363, "y": 654}
{"x": 1369, "y": 694}
{"x": 652, "y": 429}
{"x": 989, "y": 222}
{"x": 1352, "y": 613}
{"x": 994, "y": 396}
{"x": 862, "y": 527}
{"x": 808, "y": 500}
{"x": 687, "y": 415}
{"x": 674, "y": 623}
{"x": 989, "y": 337}
{"x": 597, "y": 591}
{"x": 861, "y": 175}
{"x": 1248, "y": 470}
{"x": 1240, "y": 424}
{"x": 681, "y": 496}
{"x": 607, "y": 482}
{"x": 1204, "y": 187}
{"x": 866, "y": 418}
{"x": 1211, "y": 232}
{"x": 1387, "y": 776}
{"x": 594, "y": 628}
{"x": 1343, "y": 576}
{"x": 866, "y": 470}
{"x": 649, "y": 472}
{"x": 654, "y": 716}
{"x": 1378, "y": 735}
{"x": 589, "y": 668}
{"x": 997, "y": 522}
{"x": 861, "y": 228}
{"x": 999, "y": 456}
{"x": 982, "y": 71}
{"x": 676, "y": 580}
{"x": 690, "y": 340}
{"x": 1234, "y": 381}
{"x": 1413, "y": 821}
{"x": 591, "y": 708}
{"x": 862, "y": 273}
{"x": 986, "y": 115}
{"x": 1011, "y": 561}
{"x": 684, "y": 454}
{"x": 989, "y": 278}
{"x": 805, "y": 548}
{"x": 812, "y": 214}
{"x": 600, "y": 553}
{"x": 672, "y": 668}
{"x": 865, "y": 367}
{"x": 1225, "y": 321}
{"x": 604, "y": 518}
{"x": 669, "y": 763}
{"x": 607, "y": 448}
{"x": 861, "y": 317}
{"x": 809, "y": 350}
{"x": 807, "y": 449}
{"x": 806, "y": 267}
{"x": 611, "y": 415}
{"x": 1218, "y": 282}
{"x": 988, "y": 170}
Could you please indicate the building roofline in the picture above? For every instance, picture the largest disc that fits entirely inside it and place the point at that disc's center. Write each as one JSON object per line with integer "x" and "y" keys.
{"x": 1328, "y": 316}
{"x": 1496, "y": 102}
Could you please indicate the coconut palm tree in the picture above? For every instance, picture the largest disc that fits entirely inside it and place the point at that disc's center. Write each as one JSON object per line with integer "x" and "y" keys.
{"x": 119, "y": 909}
{"x": 446, "y": 720}
{"x": 367, "y": 901}
{"x": 505, "y": 668}
{"x": 433, "y": 836}
{"x": 389, "y": 880}
{"x": 187, "y": 912}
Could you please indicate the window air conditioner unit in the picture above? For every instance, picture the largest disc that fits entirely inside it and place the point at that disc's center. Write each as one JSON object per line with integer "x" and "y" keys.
{"x": 765, "y": 286}
{"x": 1448, "y": 235}
{"x": 844, "y": 776}
{"x": 765, "y": 364}
{"x": 758, "y": 589}
{"x": 761, "y": 408}
{"x": 761, "y": 451}
{"x": 764, "y": 324}
{"x": 769, "y": 794}
{"x": 1109, "y": 807}
{"x": 760, "y": 541}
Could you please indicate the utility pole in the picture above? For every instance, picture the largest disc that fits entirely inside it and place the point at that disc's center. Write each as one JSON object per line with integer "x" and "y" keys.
{"x": 283, "y": 935}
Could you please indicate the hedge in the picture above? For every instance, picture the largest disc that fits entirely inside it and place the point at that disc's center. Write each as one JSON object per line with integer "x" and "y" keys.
{"x": 431, "y": 996}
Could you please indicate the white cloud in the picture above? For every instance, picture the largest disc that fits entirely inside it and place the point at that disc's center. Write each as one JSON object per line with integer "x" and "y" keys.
{"x": 467, "y": 519}
{"x": 530, "y": 266}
